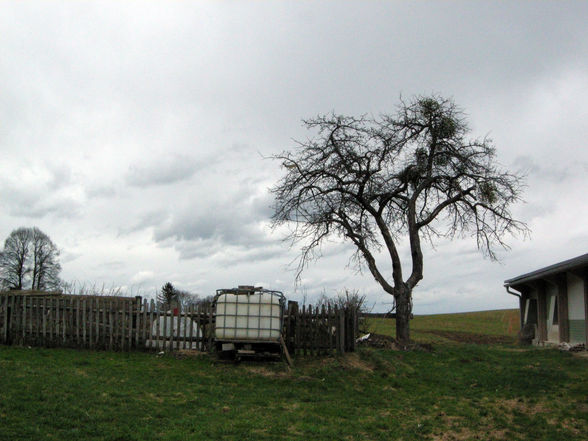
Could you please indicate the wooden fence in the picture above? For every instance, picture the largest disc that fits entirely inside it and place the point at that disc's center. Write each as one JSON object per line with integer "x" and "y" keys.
{"x": 114, "y": 323}
{"x": 320, "y": 330}
{"x": 125, "y": 323}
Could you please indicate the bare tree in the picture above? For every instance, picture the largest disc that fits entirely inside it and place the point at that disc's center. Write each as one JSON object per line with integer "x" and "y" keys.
{"x": 29, "y": 259}
{"x": 347, "y": 298}
{"x": 187, "y": 299}
{"x": 374, "y": 181}
{"x": 14, "y": 259}
{"x": 46, "y": 267}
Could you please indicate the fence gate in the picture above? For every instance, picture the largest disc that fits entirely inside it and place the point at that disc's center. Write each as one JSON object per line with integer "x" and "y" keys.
{"x": 320, "y": 330}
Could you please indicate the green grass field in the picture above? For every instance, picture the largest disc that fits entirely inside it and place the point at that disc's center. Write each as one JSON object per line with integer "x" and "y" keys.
{"x": 483, "y": 327}
{"x": 457, "y": 391}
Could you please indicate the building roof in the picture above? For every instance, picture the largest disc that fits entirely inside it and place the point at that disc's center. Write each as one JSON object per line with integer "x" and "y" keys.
{"x": 566, "y": 265}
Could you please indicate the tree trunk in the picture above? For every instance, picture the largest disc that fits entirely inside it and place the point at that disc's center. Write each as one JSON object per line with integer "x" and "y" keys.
{"x": 402, "y": 295}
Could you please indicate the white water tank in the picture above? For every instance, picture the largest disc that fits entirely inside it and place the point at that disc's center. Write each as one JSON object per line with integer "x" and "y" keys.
{"x": 253, "y": 315}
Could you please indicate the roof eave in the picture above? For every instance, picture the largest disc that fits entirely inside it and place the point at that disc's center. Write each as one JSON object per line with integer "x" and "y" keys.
{"x": 566, "y": 265}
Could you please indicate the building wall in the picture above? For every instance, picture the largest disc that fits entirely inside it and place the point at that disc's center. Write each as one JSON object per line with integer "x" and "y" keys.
{"x": 541, "y": 313}
{"x": 576, "y": 309}
{"x": 552, "y": 329}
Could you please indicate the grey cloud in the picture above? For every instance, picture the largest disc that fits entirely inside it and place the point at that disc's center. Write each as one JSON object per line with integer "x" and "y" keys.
{"x": 235, "y": 224}
{"x": 162, "y": 172}
{"x": 24, "y": 202}
{"x": 139, "y": 117}
{"x": 147, "y": 220}
{"x": 114, "y": 264}
{"x": 194, "y": 249}
{"x": 234, "y": 218}
{"x": 101, "y": 191}
{"x": 218, "y": 224}
{"x": 39, "y": 189}
{"x": 251, "y": 255}
{"x": 553, "y": 172}
{"x": 226, "y": 254}
{"x": 69, "y": 257}
{"x": 64, "y": 208}
{"x": 61, "y": 176}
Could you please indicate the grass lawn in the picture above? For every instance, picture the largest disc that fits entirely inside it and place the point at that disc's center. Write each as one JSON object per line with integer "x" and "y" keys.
{"x": 459, "y": 391}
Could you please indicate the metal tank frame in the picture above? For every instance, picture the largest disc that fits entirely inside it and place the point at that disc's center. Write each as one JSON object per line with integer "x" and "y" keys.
{"x": 249, "y": 345}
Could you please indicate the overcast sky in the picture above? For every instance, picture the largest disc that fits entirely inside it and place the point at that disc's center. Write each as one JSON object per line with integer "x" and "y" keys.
{"x": 134, "y": 134}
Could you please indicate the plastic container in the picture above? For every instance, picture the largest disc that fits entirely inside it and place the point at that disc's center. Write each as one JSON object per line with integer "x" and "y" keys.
{"x": 249, "y": 315}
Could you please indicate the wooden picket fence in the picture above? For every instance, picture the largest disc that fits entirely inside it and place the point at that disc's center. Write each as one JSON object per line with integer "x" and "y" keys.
{"x": 320, "y": 330}
{"x": 126, "y": 323}
{"x": 113, "y": 323}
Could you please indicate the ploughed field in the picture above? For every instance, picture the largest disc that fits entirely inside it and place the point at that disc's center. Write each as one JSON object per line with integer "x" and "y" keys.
{"x": 467, "y": 380}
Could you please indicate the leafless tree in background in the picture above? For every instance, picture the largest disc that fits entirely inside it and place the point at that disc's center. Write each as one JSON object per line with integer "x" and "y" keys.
{"x": 376, "y": 181}
{"x": 14, "y": 259}
{"x": 46, "y": 267}
{"x": 29, "y": 261}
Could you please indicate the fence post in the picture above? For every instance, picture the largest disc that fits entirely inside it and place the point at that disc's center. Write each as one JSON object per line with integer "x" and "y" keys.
{"x": 329, "y": 341}
{"x": 158, "y": 326}
{"x": 186, "y": 332}
{"x": 4, "y": 299}
{"x": 341, "y": 331}
{"x": 323, "y": 335}
{"x": 31, "y": 336}
{"x": 200, "y": 328}
{"x": 151, "y": 322}
{"x": 355, "y": 327}
{"x": 56, "y": 323}
{"x": 164, "y": 329}
{"x": 63, "y": 321}
{"x": 84, "y": 303}
{"x": 128, "y": 307}
{"x": 190, "y": 310}
{"x": 143, "y": 338}
{"x": 315, "y": 330}
{"x": 210, "y": 330}
{"x": 292, "y": 315}
{"x": 171, "y": 330}
{"x": 31, "y": 320}
{"x": 91, "y": 323}
{"x": 77, "y": 319}
{"x": 17, "y": 319}
{"x": 4, "y": 303}
{"x": 52, "y": 319}
{"x": 137, "y": 319}
{"x": 123, "y": 336}
{"x": 24, "y": 318}
{"x": 100, "y": 339}
{"x": 179, "y": 325}
{"x": 130, "y": 323}
{"x": 12, "y": 318}
{"x": 44, "y": 320}
{"x": 303, "y": 336}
